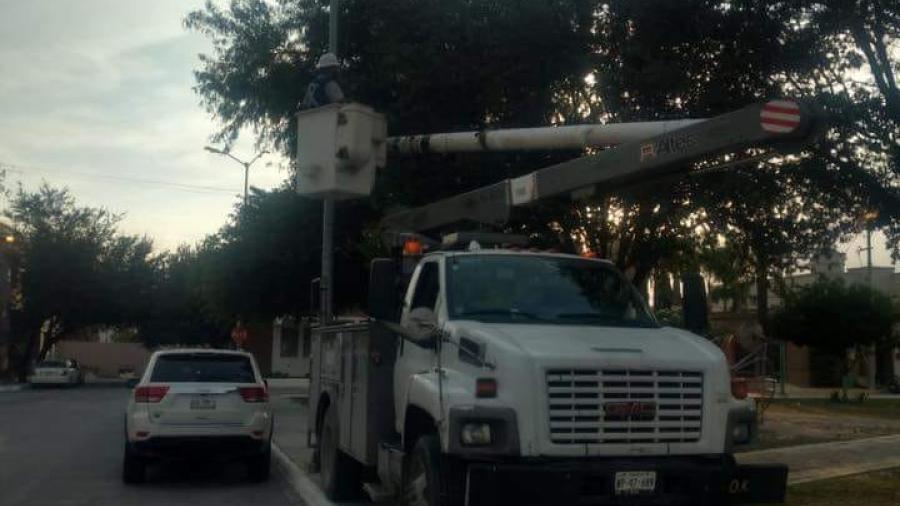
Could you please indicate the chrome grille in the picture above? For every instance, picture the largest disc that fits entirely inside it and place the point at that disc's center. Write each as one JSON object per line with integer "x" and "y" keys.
{"x": 577, "y": 398}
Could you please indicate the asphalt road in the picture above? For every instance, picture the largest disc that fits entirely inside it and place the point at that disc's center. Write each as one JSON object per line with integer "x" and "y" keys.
{"x": 63, "y": 447}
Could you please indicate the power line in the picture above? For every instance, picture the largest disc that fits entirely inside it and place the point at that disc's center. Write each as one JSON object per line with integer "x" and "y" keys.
{"x": 26, "y": 170}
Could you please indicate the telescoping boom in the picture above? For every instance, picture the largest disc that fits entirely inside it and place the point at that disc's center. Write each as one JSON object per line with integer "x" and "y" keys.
{"x": 777, "y": 123}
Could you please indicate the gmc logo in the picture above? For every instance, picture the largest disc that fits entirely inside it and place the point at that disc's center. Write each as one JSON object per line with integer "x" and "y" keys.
{"x": 630, "y": 410}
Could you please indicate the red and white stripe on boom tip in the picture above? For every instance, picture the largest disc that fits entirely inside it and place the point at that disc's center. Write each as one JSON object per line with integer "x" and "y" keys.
{"x": 780, "y": 116}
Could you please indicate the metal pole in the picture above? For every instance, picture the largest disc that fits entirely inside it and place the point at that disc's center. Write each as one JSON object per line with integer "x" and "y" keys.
{"x": 540, "y": 138}
{"x": 782, "y": 358}
{"x": 246, "y": 179}
{"x": 869, "y": 252}
{"x": 873, "y": 350}
{"x": 333, "y": 27}
{"x": 325, "y": 281}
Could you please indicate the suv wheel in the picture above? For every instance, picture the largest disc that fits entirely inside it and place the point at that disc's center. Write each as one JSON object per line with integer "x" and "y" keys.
{"x": 259, "y": 466}
{"x": 134, "y": 469}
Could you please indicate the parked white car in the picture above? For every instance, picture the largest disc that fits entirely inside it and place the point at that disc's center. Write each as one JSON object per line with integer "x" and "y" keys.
{"x": 56, "y": 372}
{"x": 199, "y": 402}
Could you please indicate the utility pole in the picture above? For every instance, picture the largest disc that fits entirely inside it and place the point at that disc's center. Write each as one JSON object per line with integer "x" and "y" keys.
{"x": 325, "y": 281}
{"x": 869, "y": 219}
{"x": 244, "y": 164}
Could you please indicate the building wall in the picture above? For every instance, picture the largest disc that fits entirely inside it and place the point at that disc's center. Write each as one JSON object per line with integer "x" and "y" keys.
{"x": 290, "y": 348}
{"x": 798, "y": 372}
{"x": 259, "y": 343}
{"x": 747, "y": 334}
{"x": 105, "y": 359}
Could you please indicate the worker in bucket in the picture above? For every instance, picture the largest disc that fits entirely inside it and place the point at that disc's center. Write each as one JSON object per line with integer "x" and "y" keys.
{"x": 324, "y": 88}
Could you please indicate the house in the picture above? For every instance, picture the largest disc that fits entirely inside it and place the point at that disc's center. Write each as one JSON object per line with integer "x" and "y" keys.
{"x": 291, "y": 345}
{"x": 806, "y": 367}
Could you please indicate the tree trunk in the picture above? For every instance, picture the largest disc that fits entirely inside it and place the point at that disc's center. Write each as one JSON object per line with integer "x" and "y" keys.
{"x": 663, "y": 297}
{"x": 762, "y": 294}
{"x": 24, "y": 362}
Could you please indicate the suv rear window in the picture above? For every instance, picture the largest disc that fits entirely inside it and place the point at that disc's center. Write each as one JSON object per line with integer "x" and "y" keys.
{"x": 204, "y": 368}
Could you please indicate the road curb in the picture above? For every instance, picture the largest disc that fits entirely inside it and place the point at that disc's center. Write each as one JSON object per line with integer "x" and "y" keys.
{"x": 12, "y": 388}
{"x": 307, "y": 490}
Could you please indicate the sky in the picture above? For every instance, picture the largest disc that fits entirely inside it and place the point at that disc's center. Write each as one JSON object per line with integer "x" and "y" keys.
{"x": 96, "y": 95}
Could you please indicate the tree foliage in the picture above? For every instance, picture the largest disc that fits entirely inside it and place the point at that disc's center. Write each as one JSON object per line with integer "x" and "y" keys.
{"x": 463, "y": 64}
{"x": 260, "y": 265}
{"x": 834, "y": 317}
{"x": 77, "y": 270}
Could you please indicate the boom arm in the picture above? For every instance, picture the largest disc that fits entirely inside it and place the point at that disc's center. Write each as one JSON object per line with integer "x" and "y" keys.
{"x": 774, "y": 123}
{"x": 541, "y": 138}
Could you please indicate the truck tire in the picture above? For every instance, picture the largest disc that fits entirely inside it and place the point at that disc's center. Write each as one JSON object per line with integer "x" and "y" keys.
{"x": 134, "y": 469}
{"x": 340, "y": 473}
{"x": 430, "y": 479}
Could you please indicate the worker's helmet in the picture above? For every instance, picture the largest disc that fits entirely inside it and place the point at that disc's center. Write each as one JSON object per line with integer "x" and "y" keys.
{"x": 327, "y": 60}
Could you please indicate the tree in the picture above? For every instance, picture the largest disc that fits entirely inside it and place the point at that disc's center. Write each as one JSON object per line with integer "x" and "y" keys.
{"x": 730, "y": 265}
{"x": 434, "y": 67}
{"x": 780, "y": 210}
{"x": 77, "y": 271}
{"x": 177, "y": 312}
{"x": 834, "y": 317}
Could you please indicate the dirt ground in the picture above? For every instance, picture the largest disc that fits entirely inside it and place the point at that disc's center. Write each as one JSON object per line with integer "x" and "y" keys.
{"x": 788, "y": 423}
{"x": 880, "y": 488}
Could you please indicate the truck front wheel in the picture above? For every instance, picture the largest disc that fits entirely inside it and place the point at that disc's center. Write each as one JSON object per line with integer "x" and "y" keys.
{"x": 340, "y": 473}
{"x": 429, "y": 479}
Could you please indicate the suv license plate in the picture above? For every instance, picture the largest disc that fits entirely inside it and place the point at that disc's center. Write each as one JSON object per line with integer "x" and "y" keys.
{"x": 203, "y": 403}
{"x": 635, "y": 482}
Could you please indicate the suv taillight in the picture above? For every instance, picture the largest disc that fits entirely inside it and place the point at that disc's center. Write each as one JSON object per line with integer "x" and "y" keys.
{"x": 150, "y": 393}
{"x": 254, "y": 394}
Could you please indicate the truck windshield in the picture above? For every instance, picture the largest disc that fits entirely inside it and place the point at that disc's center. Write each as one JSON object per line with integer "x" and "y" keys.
{"x": 538, "y": 289}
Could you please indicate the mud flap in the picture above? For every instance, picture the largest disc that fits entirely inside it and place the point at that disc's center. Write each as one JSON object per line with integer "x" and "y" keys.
{"x": 757, "y": 483}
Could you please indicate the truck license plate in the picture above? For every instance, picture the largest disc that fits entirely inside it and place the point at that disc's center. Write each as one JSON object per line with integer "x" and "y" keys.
{"x": 635, "y": 482}
{"x": 203, "y": 403}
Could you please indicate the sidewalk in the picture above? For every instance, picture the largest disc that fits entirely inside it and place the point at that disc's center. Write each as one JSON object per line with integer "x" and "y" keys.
{"x": 821, "y": 461}
{"x": 288, "y": 397}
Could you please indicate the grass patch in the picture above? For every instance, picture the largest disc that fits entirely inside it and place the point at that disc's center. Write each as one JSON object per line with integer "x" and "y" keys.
{"x": 880, "y": 488}
{"x": 873, "y": 408}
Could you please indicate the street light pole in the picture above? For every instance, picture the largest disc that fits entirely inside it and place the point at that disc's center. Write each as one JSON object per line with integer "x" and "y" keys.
{"x": 246, "y": 165}
{"x": 325, "y": 280}
{"x": 246, "y": 181}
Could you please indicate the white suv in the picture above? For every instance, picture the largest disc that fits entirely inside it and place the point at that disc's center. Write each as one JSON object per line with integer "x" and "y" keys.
{"x": 199, "y": 401}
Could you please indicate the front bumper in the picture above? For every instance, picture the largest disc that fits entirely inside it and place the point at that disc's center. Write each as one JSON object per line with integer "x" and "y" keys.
{"x": 680, "y": 480}
{"x": 206, "y": 446}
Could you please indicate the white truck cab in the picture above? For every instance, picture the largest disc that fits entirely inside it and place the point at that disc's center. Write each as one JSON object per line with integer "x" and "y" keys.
{"x": 527, "y": 376}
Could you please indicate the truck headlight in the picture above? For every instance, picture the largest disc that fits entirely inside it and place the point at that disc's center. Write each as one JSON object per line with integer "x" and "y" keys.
{"x": 476, "y": 434}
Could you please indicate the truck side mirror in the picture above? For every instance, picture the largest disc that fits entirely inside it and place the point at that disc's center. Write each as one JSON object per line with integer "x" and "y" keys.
{"x": 422, "y": 326}
{"x": 696, "y": 317}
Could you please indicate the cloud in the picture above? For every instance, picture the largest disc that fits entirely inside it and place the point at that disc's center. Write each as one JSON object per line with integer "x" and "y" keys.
{"x": 104, "y": 87}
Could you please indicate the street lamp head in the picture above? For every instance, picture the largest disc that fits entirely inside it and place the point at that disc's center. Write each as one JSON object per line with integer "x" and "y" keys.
{"x": 214, "y": 150}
